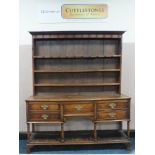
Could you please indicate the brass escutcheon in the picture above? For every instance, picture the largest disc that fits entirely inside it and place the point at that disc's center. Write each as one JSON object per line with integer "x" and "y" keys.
{"x": 44, "y": 106}
{"x": 44, "y": 116}
{"x": 78, "y": 107}
{"x": 112, "y": 105}
{"x": 112, "y": 115}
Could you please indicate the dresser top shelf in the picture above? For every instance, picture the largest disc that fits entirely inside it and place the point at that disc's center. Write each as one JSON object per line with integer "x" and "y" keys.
{"x": 79, "y": 97}
{"x": 75, "y": 32}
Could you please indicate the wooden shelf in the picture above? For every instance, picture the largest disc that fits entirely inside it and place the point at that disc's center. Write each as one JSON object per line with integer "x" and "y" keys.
{"x": 74, "y": 84}
{"x": 76, "y": 57}
{"x": 76, "y": 70}
{"x": 79, "y": 141}
{"x": 80, "y": 137}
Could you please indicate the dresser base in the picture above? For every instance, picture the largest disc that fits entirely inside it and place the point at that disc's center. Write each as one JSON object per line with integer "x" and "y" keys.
{"x": 97, "y": 109}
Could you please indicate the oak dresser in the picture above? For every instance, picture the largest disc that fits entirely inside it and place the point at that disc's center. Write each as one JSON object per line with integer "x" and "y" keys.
{"x": 77, "y": 74}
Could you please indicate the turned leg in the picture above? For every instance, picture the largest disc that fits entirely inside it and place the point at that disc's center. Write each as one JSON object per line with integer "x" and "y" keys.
{"x": 62, "y": 124}
{"x": 128, "y": 146}
{"x": 120, "y": 125}
{"x": 28, "y": 149}
{"x": 128, "y": 134}
{"x": 28, "y": 132}
{"x": 62, "y": 132}
{"x": 95, "y": 115}
{"x": 128, "y": 129}
{"x": 95, "y": 132}
{"x": 28, "y": 138}
{"x": 33, "y": 127}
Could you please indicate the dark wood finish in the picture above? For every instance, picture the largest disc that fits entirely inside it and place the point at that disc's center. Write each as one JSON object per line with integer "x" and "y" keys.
{"x": 75, "y": 57}
{"x": 77, "y": 74}
{"x": 81, "y": 137}
{"x": 113, "y": 105}
{"x": 120, "y": 125}
{"x": 76, "y": 108}
{"x": 62, "y": 132}
{"x": 65, "y": 70}
{"x": 23, "y": 135}
{"x": 43, "y": 106}
{"x": 78, "y": 84}
{"x": 44, "y": 116}
{"x": 28, "y": 132}
{"x": 95, "y": 132}
{"x": 128, "y": 129}
{"x": 96, "y": 96}
{"x": 112, "y": 115}
{"x": 33, "y": 127}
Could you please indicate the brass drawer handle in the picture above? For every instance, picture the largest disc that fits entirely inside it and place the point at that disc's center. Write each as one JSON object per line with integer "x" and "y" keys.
{"x": 112, "y": 115}
{"x": 44, "y": 116}
{"x": 112, "y": 105}
{"x": 45, "y": 107}
{"x": 78, "y": 107}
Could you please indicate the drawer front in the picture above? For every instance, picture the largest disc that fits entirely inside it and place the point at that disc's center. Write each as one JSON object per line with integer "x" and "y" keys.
{"x": 112, "y": 115}
{"x": 78, "y": 108}
{"x": 120, "y": 104}
{"x": 43, "y": 106}
{"x": 43, "y": 117}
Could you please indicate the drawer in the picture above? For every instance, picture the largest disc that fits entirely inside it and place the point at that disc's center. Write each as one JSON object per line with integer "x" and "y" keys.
{"x": 44, "y": 117}
{"x": 78, "y": 108}
{"x": 43, "y": 106}
{"x": 112, "y": 115}
{"x": 115, "y": 104}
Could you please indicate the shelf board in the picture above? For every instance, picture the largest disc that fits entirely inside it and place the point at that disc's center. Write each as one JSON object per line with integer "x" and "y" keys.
{"x": 50, "y": 57}
{"x": 79, "y": 141}
{"x": 74, "y": 84}
{"x": 78, "y": 137}
{"x": 76, "y": 70}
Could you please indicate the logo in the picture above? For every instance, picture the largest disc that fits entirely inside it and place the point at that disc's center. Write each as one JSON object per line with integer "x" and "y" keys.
{"x": 84, "y": 11}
